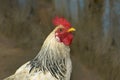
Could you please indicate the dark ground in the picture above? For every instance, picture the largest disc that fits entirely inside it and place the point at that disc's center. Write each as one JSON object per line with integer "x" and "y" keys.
{"x": 11, "y": 57}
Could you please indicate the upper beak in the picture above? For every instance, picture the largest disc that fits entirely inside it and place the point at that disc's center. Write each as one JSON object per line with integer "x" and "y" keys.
{"x": 71, "y": 29}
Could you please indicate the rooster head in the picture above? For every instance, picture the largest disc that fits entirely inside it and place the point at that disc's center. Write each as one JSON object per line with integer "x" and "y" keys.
{"x": 63, "y": 30}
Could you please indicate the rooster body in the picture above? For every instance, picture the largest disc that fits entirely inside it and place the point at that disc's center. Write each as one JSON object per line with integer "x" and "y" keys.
{"x": 52, "y": 62}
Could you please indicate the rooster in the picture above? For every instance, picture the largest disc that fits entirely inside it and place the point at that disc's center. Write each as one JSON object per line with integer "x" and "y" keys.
{"x": 53, "y": 61}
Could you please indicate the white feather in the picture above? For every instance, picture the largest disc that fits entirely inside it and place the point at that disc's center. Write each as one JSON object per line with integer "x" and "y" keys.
{"x": 60, "y": 51}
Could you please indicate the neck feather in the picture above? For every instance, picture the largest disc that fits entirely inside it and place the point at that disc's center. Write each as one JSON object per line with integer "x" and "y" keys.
{"x": 52, "y": 57}
{"x": 53, "y": 48}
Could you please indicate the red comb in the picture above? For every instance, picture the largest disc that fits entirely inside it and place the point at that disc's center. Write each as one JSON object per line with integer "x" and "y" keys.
{"x": 61, "y": 21}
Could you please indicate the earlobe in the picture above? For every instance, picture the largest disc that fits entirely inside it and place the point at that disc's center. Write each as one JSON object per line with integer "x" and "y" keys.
{"x": 56, "y": 34}
{"x": 57, "y": 38}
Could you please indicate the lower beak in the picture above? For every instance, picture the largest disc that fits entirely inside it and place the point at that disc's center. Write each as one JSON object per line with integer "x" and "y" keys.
{"x": 71, "y": 29}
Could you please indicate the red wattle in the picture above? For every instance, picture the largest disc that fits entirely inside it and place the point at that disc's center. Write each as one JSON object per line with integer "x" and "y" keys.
{"x": 67, "y": 40}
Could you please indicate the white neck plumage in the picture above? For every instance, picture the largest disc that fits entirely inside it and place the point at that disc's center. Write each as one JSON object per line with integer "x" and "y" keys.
{"x": 52, "y": 57}
{"x": 54, "y": 48}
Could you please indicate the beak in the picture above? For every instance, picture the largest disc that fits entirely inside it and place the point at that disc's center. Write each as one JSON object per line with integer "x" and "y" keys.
{"x": 71, "y": 29}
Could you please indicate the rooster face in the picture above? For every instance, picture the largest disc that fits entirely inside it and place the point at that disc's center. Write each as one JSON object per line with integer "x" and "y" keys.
{"x": 64, "y": 35}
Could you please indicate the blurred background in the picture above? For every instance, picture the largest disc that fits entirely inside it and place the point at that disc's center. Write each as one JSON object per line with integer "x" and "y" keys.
{"x": 95, "y": 51}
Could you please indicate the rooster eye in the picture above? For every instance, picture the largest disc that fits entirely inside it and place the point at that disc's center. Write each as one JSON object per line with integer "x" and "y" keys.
{"x": 60, "y": 29}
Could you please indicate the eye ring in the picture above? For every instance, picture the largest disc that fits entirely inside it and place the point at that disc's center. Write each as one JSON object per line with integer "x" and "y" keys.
{"x": 60, "y": 29}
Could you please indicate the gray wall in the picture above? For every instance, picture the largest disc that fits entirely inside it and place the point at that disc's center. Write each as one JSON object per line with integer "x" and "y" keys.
{"x": 95, "y": 49}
